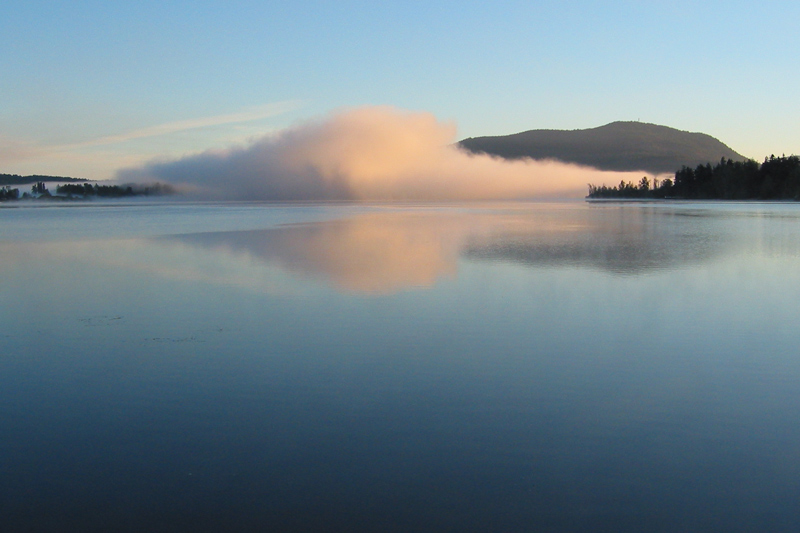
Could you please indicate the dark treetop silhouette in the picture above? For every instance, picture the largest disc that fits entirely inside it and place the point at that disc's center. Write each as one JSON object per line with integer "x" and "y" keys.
{"x": 777, "y": 178}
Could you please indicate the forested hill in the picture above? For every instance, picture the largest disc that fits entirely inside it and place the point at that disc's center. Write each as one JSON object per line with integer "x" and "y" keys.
{"x": 617, "y": 146}
{"x": 15, "y": 179}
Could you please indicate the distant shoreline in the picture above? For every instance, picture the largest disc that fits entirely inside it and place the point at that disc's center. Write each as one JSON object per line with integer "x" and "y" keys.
{"x": 777, "y": 178}
{"x": 72, "y": 191}
{"x": 689, "y": 200}
{"x": 12, "y": 180}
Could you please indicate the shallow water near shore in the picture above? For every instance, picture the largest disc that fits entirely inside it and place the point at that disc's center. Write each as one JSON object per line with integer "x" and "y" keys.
{"x": 558, "y": 366}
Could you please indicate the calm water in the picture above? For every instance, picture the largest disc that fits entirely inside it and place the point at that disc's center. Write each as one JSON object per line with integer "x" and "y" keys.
{"x": 506, "y": 367}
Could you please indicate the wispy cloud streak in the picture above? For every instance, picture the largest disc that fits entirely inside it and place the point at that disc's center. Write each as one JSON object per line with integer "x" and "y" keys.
{"x": 247, "y": 115}
{"x": 100, "y": 157}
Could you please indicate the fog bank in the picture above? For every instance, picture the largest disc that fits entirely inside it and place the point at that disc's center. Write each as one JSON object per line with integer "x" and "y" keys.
{"x": 368, "y": 153}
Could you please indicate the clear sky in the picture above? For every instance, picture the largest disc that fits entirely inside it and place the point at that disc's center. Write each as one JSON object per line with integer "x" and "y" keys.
{"x": 87, "y": 88}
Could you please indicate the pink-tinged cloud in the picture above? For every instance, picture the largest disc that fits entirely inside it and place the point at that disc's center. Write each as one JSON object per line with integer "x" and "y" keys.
{"x": 369, "y": 153}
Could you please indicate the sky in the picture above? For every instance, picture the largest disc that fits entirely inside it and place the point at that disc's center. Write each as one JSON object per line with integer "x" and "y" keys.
{"x": 89, "y": 89}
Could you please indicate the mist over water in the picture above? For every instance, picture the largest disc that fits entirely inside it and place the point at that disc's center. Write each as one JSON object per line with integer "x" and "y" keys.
{"x": 368, "y": 153}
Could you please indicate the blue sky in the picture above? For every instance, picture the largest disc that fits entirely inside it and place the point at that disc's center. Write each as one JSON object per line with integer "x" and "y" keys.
{"x": 87, "y": 88}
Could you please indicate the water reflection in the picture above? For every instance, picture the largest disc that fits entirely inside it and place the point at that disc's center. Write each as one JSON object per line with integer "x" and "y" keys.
{"x": 389, "y": 250}
{"x": 628, "y": 241}
{"x": 540, "y": 379}
{"x": 377, "y": 253}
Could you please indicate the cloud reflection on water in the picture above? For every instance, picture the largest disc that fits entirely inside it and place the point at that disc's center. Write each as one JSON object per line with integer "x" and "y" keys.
{"x": 375, "y": 253}
{"x": 384, "y": 252}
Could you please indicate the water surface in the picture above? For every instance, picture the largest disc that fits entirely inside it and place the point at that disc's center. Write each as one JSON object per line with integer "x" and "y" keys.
{"x": 519, "y": 366}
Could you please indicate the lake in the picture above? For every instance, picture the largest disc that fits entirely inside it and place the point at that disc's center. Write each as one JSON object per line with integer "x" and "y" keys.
{"x": 552, "y": 366}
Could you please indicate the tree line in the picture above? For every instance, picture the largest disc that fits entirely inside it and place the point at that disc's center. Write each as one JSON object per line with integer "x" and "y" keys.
{"x": 113, "y": 191}
{"x": 72, "y": 191}
{"x": 7, "y": 193}
{"x": 777, "y": 178}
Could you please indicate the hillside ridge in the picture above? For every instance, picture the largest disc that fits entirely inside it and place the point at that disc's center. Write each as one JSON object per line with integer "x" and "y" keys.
{"x": 619, "y": 146}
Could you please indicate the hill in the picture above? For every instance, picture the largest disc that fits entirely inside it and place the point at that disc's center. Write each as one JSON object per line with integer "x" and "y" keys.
{"x": 617, "y": 146}
{"x": 15, "y": 179}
